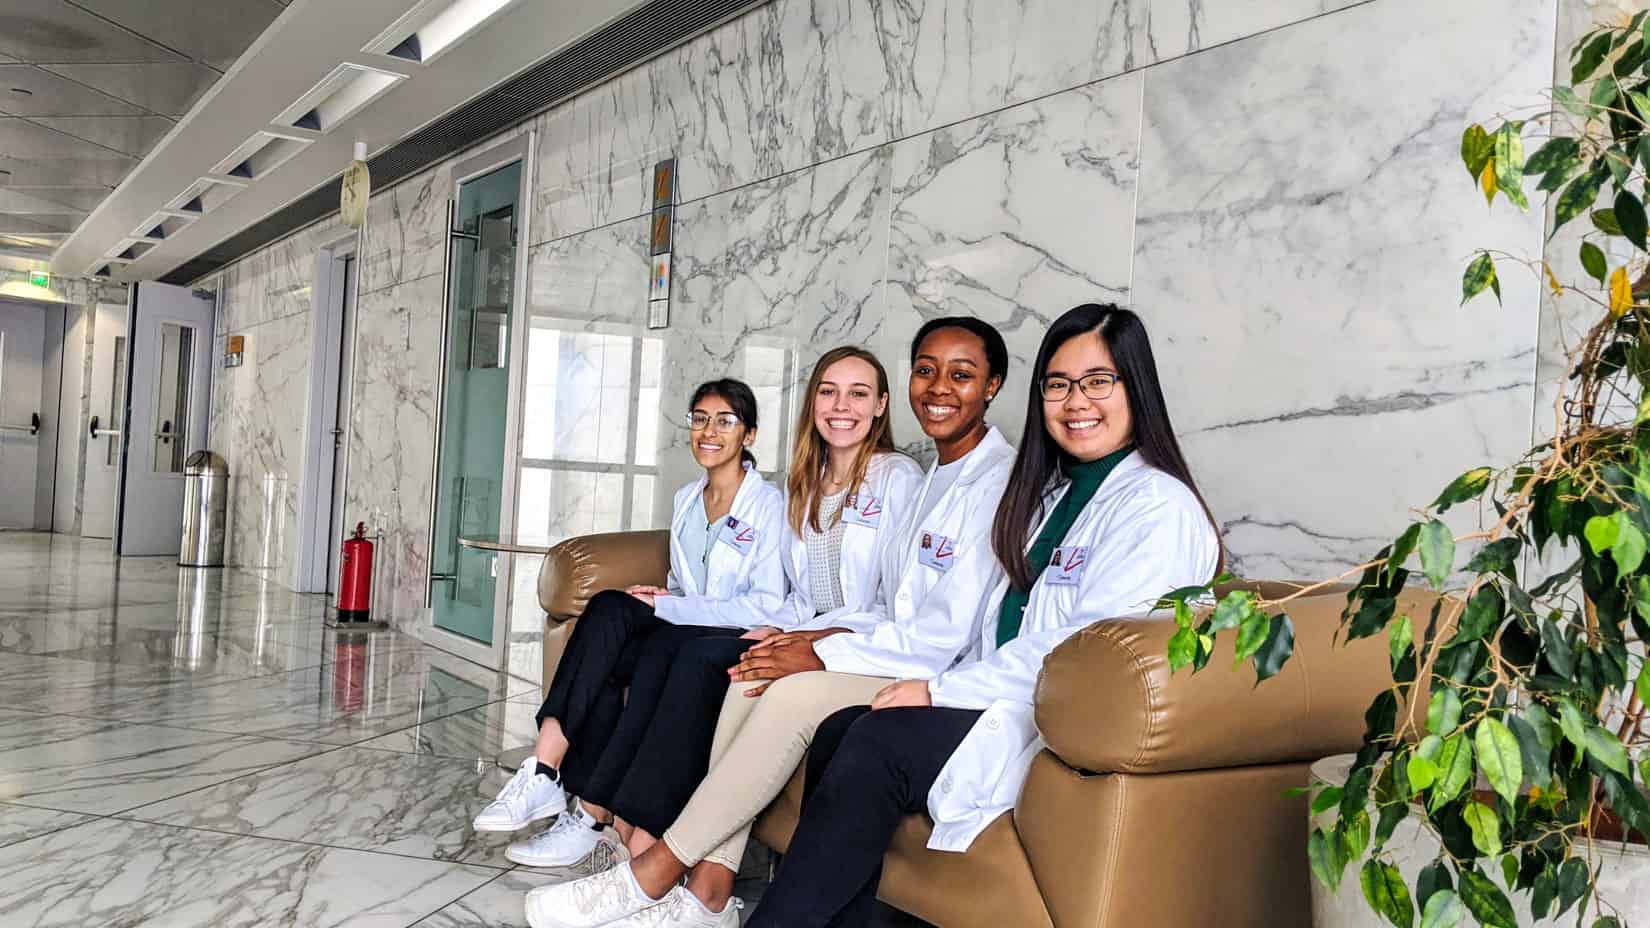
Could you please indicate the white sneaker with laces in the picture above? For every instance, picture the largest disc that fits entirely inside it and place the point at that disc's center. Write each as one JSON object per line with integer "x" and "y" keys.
{"x": 591, "y": 902}
{"x": 571, "y": 841}
{"x": 527, "y": 798}
{"x": 681, "y": 909}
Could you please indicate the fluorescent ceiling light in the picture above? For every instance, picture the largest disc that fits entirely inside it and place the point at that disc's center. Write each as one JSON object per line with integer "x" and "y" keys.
{"x": 257, "y": 156}
{"x": 163, "y": 225}
{"x": 337, "y": 97}
{"x": 434, "y": 26}
{"x": 203, "y": 196}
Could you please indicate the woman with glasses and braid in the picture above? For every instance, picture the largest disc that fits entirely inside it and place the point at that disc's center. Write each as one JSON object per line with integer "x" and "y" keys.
{"x": 727, "y": 579}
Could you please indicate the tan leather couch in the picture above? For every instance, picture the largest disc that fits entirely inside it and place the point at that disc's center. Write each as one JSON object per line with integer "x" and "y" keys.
{"x": 1161, "y": 800}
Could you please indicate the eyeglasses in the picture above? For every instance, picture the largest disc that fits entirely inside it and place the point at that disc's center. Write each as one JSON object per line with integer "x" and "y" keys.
{"x": 1094, "y": 386}
{"x": 724, "y": 421}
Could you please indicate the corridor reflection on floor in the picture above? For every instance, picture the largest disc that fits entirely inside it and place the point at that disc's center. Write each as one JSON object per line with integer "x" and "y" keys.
{"x": 195, "y": 748}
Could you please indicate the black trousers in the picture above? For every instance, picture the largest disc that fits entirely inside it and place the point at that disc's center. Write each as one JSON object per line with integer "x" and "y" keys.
{"x": 617, "y": 643}
{"x": 866, "y": 770}
{"x": 674, "y": 753}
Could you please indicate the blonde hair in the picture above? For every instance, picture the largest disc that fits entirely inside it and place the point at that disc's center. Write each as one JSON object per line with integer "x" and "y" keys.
{"x": 806, "y": 481}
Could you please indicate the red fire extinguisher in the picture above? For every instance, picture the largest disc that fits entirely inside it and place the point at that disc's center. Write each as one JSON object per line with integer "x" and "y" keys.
{"x": 355, "y": 577}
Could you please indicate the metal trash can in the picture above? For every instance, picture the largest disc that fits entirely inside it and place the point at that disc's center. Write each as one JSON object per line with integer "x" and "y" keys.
{"x": 205, "y": 502}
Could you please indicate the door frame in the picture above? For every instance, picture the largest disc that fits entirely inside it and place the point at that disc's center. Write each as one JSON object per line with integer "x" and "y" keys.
{"x": 325, "y": 396}
{"x": 522, "y": 149}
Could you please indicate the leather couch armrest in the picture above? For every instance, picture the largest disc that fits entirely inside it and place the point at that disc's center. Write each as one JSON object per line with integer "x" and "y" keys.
{"x": 581, "y": 567}
{"x": 1107, "y": 703}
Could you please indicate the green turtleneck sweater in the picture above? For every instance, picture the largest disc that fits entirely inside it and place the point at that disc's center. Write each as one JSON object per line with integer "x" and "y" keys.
{"x": 1085, "y": 481}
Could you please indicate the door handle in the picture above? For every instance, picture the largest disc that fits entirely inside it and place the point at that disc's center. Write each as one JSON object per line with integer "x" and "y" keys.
{"x": 165, "y": 433}
{"x": 96, "y": 432}
{"x": 33, "y": 428}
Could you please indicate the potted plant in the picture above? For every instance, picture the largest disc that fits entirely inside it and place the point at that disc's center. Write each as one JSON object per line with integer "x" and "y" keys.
{"x": 1529, "y": 755}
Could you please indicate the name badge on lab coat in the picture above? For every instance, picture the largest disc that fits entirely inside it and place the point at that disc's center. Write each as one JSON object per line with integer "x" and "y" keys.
{"x": 864, "y": 510}
{"x": 936, "y": 551}
{"x": 738, "y": 536}
{"x": 1066, "y": 569}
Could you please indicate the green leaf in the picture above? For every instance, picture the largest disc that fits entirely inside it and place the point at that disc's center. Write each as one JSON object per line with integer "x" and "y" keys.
{"x": 1479, "y": 275}
{"x": 1486, "y": 901}
{"x": 1469, "y": 485}
{"x": 1182, "y": 648}
{"x": 1578, "y": 196}
{"x": 1574, "y": 882}
{"x": 1536, "y": 745}
{"x": 1455, "y": 770}
{"x": 1601, "y": 533}
{"x": 1422, "y": 772}
{"x": 1434, "y": 879}
{"x": 1443, "y": 910}
{"x": 1605, "y": 221}
{"x": 1592, "y": 258}
{"x": 1486, "y": 828}
{"x": 1554, "y": 153}
{"x": 1275, "y": 650}
{"x": 1231, "y": 610}
{"x": 1328, "y": 799}
{"x": 1566, "y": 97}
{"x": 1402, "y": 547}
{"x": 1603, "y": 746}
{"x": 1482, "y": 615}
{"x": 1509, "y": 163}
{"x": 1251, "y": 635}
{"x": 1630, "y": 214}
{"x": 1629, "y": 548}
{"x": 1557, "y": 650}
{"x": 1354, "y": 832}
{"x": 1444, "y": 711}
{"x": 1399, "y": 639}
{"x": 1592, "y": 55}
{"x": 1571, "y": 723}
{"x": 1437, "y": 547}
{"x": 1607, "y": 921}
{"x": 1326, "y": 865}
{"x": 1499, "y": 758}
{"x": 1641, "y": 686}
{"x": 1386, "y": 893}
{"x": 1477, "y": 147}
{"x": 1541, "y": 897}
{"x": 1499, "y": 556}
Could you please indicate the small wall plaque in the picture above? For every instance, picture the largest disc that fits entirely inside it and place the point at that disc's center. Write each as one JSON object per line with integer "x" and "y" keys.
{"x": 233, "y": 347}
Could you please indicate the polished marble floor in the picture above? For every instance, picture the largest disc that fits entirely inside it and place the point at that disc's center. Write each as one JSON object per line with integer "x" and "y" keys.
{"x": 195, "y": 748}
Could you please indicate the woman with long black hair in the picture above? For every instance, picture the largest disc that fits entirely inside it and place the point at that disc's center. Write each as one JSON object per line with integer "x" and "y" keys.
{"x": 1099, "y": 483}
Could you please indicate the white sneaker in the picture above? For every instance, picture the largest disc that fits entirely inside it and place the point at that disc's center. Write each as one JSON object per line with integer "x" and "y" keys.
{"x": 571, "y": 841}
{"x": 681, "y": 909}
{"x": 527, "y": 798}
{"x": 591, "y": 902}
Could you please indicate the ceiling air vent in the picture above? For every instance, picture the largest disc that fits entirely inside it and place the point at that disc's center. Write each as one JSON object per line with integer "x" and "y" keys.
{"x": 337, "y": 97}
{"x": 434, "y": 26}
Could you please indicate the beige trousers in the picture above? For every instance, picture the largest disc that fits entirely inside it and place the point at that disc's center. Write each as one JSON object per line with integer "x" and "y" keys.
{"x": 759, "y": 743}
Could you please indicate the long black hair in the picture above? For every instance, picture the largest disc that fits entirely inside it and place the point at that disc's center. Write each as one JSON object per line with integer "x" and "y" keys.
{"x": 996, "y": 350}
{"x": 739, "y": 398}
{"x": 1040, "y": 460}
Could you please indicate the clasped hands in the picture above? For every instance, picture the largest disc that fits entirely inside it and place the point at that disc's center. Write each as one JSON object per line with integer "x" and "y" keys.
{"x": 780, "y": 655}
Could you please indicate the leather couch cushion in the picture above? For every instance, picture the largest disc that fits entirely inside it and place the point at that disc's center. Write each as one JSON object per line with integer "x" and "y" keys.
{"x": 581, "y": 567}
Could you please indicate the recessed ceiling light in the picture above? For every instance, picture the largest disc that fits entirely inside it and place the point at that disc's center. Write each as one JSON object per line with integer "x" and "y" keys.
{"x": 433, "y": 26}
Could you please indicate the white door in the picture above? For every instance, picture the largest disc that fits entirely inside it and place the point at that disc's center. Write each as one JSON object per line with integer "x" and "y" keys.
{"x": 170, "y": 363}
{"x": 22, "y": 364}
{"x": 106, "y": 416}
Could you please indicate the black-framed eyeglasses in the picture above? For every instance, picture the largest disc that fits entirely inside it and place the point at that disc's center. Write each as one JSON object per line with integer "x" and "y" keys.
{"x": 724, "y": 421}
{"x": 1094, "y": 386}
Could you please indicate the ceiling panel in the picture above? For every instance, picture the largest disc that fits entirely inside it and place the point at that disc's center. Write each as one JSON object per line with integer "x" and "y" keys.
{"x": 20, "y": 138}
{"x": 215, "y": 33}
{"x": 27, "y": 201}
{"x": 51, "y": 172}
{"x": 52, "y": 30}
{"x": 51, "y": 95}
{"x": 134, "y": 135}
{"x": 73, "y": 198}
{"x": 25, "y": 225}
{"x": 165, "y": 87}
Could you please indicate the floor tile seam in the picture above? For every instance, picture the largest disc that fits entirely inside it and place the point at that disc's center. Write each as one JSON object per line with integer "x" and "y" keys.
{"x": 125, "y": 817}
{"x": 87, "y": 818}
{"x": 460, "y": 897}
{"x": 129, "y": 812}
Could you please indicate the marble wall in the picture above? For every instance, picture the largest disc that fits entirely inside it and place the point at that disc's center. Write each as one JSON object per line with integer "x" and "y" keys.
{"x": 1273, "y": 184}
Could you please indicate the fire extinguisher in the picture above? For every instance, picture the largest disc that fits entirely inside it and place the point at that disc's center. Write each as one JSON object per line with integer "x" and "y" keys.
{"x": 355, "y": 577}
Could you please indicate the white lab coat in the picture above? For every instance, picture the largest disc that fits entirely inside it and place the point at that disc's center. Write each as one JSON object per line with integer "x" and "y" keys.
{"x": 1146, "y": 535}
{"x": 927, "y": 617}
{"x": 742, "y": 588}
{"x": 891, "y": 482}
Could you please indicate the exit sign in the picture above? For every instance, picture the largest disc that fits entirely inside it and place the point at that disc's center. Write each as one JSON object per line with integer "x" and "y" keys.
{"x": 40, "y": 278}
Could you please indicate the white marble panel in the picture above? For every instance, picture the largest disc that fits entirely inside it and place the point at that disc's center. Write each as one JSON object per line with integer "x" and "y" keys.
{"x": 405, "y": 234}
{"x": 1013, "y": 218}
{"x": 1178, "y": 27}
{"x": 1302, "y": 226}
{"x": 392, "y": 438}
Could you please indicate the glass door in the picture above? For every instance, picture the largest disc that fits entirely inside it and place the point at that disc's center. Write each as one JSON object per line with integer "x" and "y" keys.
{"x": 470, "y": 473}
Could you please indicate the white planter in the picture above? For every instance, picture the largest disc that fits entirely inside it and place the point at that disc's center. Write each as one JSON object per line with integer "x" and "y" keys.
{"x": 1624, "y": 881}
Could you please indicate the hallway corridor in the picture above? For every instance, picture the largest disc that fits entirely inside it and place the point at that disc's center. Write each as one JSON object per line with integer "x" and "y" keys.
{"x": 195, "y": 748}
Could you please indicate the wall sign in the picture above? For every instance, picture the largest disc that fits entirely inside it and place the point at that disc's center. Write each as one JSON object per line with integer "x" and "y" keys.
{"x": 233, "y": 347}
{"x": 660, "y": 241}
